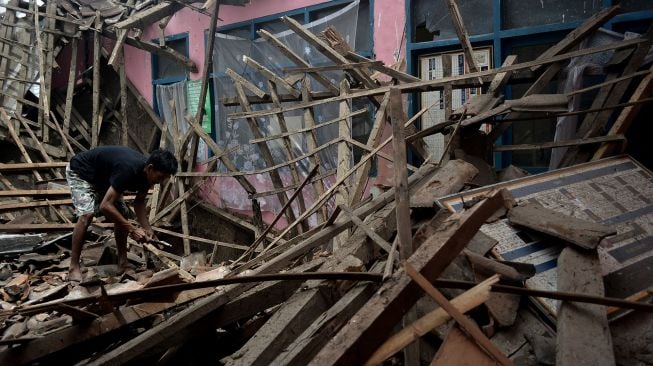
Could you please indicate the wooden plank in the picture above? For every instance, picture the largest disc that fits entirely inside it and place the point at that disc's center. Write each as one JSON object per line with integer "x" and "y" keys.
{"x": 468, "y": 325}
{"x": 344, "y": 156}
{"x": 124, "y": 122}
{"x": 458, "y": 349}
{"x": 296, "y": 314}
{"x": 286, "y": 134}
{"x": 117, "y": 52}
{"x": 150, "y": 15}
{"x": 397, "y": 117}
{"x": 51, "y": 9}
{"x": 461, "y": 31}
{"x": 181, "y": 189}
{"x": 37, "y": 143}
{"x": 376, "y": 238}
{"x": 380, "y": 67}
{"x": 577, "y": 35}
{"x": 583, "y": 334}
{"x": 585, "y": 234}
{"x": 465, "y": 302}
{"x": 296, "y": 59}
{"x": 17, "y": 141}
{"x": 449, "y": 180}
{"x": 155, "y": 49}
{"x": 245, "y": 83}
{"x": 355, "y": 344}
{"x": 96, "y": 80}
{"x": 70, "y": 90}
{"x": 307, "y": 344}
{"x": 154, "y": 199}
{"x": 198, "y": 239}
{"x": 271, "y": 76}
{"x": 554, "y": 144}
{"x": 316, "y": 69}
{"x": 76, "y": 334}
{"x": 360, "y": 181}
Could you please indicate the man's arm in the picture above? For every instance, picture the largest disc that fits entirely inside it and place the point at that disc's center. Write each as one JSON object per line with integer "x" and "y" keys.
{"x": 141, "y": 214}
{"x": 108, "y": 208}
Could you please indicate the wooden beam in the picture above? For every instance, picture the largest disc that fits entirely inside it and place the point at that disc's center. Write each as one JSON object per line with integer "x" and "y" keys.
{"x": 17, "y": 141}
{"x": 582, "y": 233}
{"x": 311, "y": 141}
{"x": 347, "y": 66}
{"x": 148, "y": 16}
{"x": 245, "y": 83}
{"x": 155, "y": 49}
{"x": 95, "y": 118}
{"x": 355, "y": 344}
{"x": 271, "y": 76}
{"x": 397, "y": 118}
{"x": 70, "y": 90}
{"x": 579, "y": 34}
{"x": 461, "y": 31}
{"x": 44, "y": 154}
{"x": 583, "y": 333}
{"x": 344, "y": 156}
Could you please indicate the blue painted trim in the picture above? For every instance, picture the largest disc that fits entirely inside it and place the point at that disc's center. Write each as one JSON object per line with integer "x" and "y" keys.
{"x": 154, "y": 59}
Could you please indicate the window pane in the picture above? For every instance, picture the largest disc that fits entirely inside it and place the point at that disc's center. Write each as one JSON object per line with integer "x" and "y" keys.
{"x": 525, "y": 13}
{"x": 169, "y": 67}
{"x": 276, "y": 26}
{"x": 243, "y": 32}
{"x": 431, "y": 20}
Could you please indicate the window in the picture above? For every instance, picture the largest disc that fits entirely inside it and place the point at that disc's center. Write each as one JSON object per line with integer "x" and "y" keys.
{"x": 522, "y": 27}
{"x": 166, "y": 70}
{"x": 436, "y": 67}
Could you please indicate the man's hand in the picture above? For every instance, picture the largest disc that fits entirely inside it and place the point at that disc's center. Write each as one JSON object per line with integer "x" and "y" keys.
{"x": 139, "y": 235}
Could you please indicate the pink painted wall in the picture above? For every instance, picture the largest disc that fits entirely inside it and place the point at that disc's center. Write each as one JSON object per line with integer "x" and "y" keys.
{"x": 389, "y": 20}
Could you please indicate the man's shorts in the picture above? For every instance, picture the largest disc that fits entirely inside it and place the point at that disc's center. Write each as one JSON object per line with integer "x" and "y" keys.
{"x": 87, "y": 199}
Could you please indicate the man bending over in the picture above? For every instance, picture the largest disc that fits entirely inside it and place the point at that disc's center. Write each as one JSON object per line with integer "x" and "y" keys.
{"x": 98, "y": 178}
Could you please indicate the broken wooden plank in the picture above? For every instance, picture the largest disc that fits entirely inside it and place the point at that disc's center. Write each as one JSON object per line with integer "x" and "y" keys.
{"x": 585, "y": 234}
{"x": 354, "y": 344}
{"x": 468, "y": 325}
{"x": 150, "y": 15}
{"x": 465, "y": 302}
{"x": 461, "y": 31}
{"x": 271, "y": 76}
{"x": 380, "y": 67}
{"x": 583, "y": 334}
{"x": 449, "y": 180}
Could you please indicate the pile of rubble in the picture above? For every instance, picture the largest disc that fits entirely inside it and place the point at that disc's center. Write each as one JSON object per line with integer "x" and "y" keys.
{"x": 451, "y": 265}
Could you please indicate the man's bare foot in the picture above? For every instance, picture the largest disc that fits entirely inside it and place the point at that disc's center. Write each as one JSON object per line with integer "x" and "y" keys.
{"x": 75, "y": 275}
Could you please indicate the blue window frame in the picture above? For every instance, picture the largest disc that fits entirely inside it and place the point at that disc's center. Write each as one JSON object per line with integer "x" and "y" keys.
{"x": 517, "y": 34}
{"x": 165, "y": 70}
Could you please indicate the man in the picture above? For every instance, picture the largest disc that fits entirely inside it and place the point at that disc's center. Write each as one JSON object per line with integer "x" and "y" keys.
{"x": 98, "y": 178}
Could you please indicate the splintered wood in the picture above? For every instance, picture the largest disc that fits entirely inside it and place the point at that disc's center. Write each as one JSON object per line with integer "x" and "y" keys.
{"x": 342, "y": 268}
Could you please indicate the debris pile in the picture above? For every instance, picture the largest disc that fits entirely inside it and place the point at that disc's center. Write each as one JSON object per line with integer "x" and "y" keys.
{"x": 449, "y": 265}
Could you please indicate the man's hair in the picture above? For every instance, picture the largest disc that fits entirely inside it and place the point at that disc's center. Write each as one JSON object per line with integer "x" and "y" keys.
{"x": 163, "y": 161}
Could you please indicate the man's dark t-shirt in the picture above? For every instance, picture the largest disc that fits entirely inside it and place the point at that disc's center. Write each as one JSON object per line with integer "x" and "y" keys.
{"x": 116, "y": 166}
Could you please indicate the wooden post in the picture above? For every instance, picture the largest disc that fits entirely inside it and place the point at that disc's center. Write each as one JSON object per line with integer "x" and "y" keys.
{"x": 96, "y": 80}
{"x": 344, "y": 160}
{"x": 309, "y": 121}
{"x": 397, "y": 118}
{"x": 180, "y": 184}
{"x": 70, "y": 91}
{"x": 123, "y": 102}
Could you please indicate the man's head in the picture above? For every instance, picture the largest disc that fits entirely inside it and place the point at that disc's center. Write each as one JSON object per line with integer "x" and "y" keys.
{"x": 160, "y": 166}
